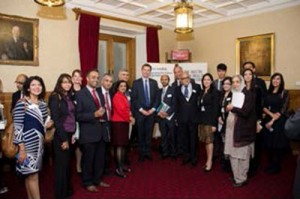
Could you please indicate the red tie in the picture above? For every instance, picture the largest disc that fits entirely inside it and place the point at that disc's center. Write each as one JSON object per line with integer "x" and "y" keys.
{"x": 95, "y": 99}
{"x": 107, "y": 106}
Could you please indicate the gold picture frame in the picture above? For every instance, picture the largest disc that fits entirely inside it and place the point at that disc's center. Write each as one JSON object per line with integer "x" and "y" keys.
{"x": 18, "y": 40}
{"x": 258, "y": 49}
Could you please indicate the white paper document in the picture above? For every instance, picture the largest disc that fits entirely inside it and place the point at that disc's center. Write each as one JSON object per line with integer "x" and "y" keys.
{"x": 238, "y": 100}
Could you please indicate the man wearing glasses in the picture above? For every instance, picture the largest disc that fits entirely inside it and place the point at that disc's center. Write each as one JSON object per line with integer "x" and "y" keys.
{"x": 187, "y": 116}
{"x": 20, "y": 80}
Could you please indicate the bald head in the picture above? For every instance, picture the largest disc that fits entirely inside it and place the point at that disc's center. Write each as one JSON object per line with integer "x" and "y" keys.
{"x": 20, "y": 80}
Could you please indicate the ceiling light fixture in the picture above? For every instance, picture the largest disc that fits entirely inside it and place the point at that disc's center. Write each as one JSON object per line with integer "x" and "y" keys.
{"x": 50, "y": 3}
{"x": 183, "y": 16}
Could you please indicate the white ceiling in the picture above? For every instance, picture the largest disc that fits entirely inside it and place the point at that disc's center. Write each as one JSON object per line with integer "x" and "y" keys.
{"x": 161, "y": 12}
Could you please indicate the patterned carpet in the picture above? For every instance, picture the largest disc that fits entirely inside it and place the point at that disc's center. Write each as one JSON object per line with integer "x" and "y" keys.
{"x": 170, "y": 180}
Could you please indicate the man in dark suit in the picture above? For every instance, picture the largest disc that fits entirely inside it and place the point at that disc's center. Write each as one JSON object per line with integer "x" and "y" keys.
{"x": 187, "y": 115}
{"x": 261, "y": 91}
{"x": 17, "y": 48}
{"x": 166, "y": 118}
{"x": 218, "y": 144}
{"x": 20, "y": 80}
{"x": 92, "y": 119}
{"x": 105, "y": 92}
{"x": 145, "y": 102}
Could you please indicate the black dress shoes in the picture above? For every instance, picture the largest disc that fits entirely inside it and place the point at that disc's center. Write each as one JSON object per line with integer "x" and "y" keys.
{"x": 148, "y": 157}
{"x": 120, "y": 173}
{"x": 141, "y": 158}
{"x": 185, "y": 161}
{"x": 240, "y": 184}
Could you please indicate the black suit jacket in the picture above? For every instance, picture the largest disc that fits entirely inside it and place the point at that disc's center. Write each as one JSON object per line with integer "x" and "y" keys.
{"x": 89, "y": 125}
{"x": 138, "y": 98}
{"x": 102, "y": 99}
{"x": 15, "y": 98}
{"x": 209, "y": 107}
{"x": 187, "y": 111}
{"x": 168, "y": 99}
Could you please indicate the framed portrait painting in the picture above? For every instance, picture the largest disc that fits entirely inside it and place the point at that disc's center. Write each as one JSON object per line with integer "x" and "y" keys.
{"x": 258, "y": 49}
{"x": 18, "y": 40}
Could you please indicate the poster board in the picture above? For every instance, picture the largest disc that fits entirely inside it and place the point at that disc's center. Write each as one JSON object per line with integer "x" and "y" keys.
{"x": 196, "y": 70}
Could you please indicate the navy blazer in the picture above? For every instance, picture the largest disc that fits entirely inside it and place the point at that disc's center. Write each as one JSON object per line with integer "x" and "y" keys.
{"x": 168, "y": 99}
{"x": 89, "y": 125}
{"x": 187, "y": 111}
{"x": 138, "y": 97}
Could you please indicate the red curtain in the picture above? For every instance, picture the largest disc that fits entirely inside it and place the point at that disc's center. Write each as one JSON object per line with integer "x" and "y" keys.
{"x": 89, "y": 27}
{"x": 152, "y": 45}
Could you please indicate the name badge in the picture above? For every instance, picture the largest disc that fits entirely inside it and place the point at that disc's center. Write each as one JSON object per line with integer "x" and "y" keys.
{"x": 169, "y": 95}
{"x": 194, "y": 91}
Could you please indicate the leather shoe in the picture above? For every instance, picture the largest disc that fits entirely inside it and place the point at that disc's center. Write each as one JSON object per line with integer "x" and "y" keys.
{"x": 185, "y": 161}
{"x": 120, "y": 173}
{"x": 240, "y": 184}
{"x": 103, "y": 184}
{"x": 148, "y": 157}
{"x": 126, "y": 169}
{"x": 92, "y": 189}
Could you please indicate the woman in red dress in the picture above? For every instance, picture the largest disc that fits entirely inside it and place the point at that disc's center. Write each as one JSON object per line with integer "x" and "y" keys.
{"x": 120, "y": 120}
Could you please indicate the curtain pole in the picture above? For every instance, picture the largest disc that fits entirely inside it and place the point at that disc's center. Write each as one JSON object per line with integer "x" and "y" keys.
{"x": 78, "y": 11}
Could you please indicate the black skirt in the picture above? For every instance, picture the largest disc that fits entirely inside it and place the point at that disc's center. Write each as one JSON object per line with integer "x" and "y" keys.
{"x": 119, "y": 133}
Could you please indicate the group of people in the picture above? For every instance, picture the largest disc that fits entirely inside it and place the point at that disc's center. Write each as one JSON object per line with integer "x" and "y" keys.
{"x": 225, "y": 114}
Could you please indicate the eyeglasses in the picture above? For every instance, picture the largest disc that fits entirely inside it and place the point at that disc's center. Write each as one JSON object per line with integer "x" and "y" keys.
{"x": 228, "y": 84}
{"x": 184, "y": 77}
{"x": 18, "y": 82}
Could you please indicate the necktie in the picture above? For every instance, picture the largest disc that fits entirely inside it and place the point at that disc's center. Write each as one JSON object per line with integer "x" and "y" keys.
{"x": 146, "y": 91}
{"x": 95, "y": 99}
{"x": 186, "y": 91}
{"x": 107, "y": 106}
{"x": 163, "y": 94}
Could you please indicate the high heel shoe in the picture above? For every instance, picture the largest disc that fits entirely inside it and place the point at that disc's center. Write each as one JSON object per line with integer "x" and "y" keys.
{"x": 126, "y": 169}
{"x": 206, "y": 169}
{"x": 120, "y": 173}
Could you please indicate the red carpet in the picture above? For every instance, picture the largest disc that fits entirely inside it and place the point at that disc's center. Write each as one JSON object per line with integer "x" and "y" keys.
{"x": 169, "y": 179}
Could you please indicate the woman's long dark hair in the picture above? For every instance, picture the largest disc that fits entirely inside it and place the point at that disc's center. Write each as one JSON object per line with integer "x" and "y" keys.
{"x": 252, "y": 84}
{"x": 118, "y": 83}
{"x": 281, "y": 86}
{"x": 58, "y": 88}
{"x": 27, "y": 86}
{"x": 212, "y": 86}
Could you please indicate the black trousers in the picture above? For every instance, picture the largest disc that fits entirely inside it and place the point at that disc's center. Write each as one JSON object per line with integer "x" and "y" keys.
{"x": 62, "y": 169}
{"x": 92, "y": 162}
{"x": 297, "y": 181}
{"x": 167, "y": 143}
{"x": 145, "y": 131}
{"x": 188, "y": 132}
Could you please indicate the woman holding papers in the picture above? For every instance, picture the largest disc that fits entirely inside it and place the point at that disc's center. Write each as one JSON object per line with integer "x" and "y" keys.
{"x": 209, "y": 103}
{"x": 275, "y": 108}
{"x": 240, "y": 129}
